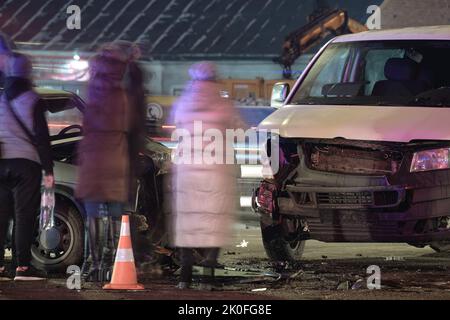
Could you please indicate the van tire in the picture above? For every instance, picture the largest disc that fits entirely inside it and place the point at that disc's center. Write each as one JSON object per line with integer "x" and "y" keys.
{"x": 277, "y": 247}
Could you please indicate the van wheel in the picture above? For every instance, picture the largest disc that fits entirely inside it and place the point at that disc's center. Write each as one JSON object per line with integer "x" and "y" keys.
{"x": 66, "y": 243}
{"x": 279, "y": 244}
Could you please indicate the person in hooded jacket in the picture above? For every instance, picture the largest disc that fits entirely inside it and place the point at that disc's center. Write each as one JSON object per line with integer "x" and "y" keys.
{"x": 133, "y": 84}
{"x": 204, "y": 192}
{"x": 114, "y": 128}
{"x": 134, "y": 87}
{"x": 104, "y": 162}
{"x": 25, "y": 152}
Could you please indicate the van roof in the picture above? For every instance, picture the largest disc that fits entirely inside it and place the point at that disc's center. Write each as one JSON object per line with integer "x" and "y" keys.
{"x": 416, "y": 33}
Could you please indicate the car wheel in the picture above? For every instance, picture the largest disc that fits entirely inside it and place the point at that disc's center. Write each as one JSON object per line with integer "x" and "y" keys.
{"x": 281, "y": 245}
{"x": 67, "y": 241}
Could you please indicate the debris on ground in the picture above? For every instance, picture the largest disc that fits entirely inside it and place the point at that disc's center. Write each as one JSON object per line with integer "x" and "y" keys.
{"x": 242, "y": 244}
{"x": 393, "y": 258}
{"x": 359, "y": 284}
{"x": 163, "y": 251}
{"x": 150, "y": 270}
{"x": 230, "y": 275}
{"x": 343, "y": 285}
{"x": 296, "y": 274}
{"x": 259, "y": 289}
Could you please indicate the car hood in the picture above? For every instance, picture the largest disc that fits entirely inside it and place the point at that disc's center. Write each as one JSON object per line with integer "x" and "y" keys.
{"x": 374, "y": 123}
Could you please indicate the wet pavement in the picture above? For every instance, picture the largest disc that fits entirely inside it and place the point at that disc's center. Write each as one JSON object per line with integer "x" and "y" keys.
{"x": 326, "y": 271}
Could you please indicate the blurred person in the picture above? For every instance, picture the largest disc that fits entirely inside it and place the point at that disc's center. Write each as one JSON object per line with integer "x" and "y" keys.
{"x": 6, "y": 47}
{"x": 134, "y": 87}
{"x": 104, "y": 172}
{"x": 204, "y": 194}
{"x": 134, "y": 79}
{"x": 5, "y": 51}
{"x": 24, "y": 152}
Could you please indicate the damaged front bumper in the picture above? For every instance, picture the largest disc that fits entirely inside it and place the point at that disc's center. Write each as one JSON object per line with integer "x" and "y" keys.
{"x": 361, "y": 208}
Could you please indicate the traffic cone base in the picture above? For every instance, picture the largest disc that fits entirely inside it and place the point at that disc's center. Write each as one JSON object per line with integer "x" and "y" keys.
{"x": 124, "y": 272}
{"x": 111, "y": 286}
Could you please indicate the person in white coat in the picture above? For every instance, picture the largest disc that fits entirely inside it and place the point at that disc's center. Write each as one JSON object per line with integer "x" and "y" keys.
{"x": 204, "y": 192}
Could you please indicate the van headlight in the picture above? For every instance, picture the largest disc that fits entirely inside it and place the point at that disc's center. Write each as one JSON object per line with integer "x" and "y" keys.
{"x": 436, "y": 159}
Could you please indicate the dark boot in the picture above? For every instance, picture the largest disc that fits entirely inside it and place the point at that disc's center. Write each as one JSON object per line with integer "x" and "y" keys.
{"x": 208, "y": 280}
{"x": 185, "y": 277}
{"x": 114, "y": 226}
{"x": 187, "y": 261}
{"x": 97, "y": 230}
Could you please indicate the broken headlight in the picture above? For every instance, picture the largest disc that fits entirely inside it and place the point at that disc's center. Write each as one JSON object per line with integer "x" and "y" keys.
{"x": 436, "y": 159}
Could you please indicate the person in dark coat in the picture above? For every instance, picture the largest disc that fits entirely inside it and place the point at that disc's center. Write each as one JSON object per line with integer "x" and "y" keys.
{"x": 117, "y": 90}
{"x": 104, "y": 171}
{"x": 134, "y": 87}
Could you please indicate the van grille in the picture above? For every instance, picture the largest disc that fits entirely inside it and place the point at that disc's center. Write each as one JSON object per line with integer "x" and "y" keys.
{"x": 347, "y": 198}
{"x": 377, "y": 198}
{"x": 344, "y": 159}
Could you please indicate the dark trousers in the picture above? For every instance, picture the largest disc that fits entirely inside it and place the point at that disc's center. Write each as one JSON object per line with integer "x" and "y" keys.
{"x": 20, "y": 194}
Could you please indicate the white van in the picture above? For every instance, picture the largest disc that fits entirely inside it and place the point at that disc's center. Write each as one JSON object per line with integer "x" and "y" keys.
{"x": 364, "y": 145}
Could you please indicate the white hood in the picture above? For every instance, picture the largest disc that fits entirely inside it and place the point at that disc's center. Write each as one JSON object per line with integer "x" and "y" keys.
{"x": 396, "y": 124}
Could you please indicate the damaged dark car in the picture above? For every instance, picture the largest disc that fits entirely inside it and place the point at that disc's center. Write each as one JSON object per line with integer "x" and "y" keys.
{"x": 364, "y": 145}
{"x": 66, "y": 245}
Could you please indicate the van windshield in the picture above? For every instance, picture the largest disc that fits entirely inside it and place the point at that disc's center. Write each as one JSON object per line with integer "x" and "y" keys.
{"x": 380, "y": 73}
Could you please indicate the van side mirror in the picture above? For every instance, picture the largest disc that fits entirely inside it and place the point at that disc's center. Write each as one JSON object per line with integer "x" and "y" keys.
{"x": 280, "y": 92}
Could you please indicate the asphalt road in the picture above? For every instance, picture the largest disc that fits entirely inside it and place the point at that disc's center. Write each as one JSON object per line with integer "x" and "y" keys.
{"x": 327, "y": 271}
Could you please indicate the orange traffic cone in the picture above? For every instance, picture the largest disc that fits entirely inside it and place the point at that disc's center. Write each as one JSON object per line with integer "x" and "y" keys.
{"x": 124, "y": 273}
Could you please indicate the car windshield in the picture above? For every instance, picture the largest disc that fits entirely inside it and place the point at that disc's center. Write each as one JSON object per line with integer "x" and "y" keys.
{"x": 380, "y": 73}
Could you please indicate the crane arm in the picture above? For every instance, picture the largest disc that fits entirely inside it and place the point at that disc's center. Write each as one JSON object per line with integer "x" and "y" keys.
{"x": 335, "y": 22}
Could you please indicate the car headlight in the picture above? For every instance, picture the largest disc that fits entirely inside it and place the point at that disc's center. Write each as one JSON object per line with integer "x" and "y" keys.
{"x": 436, "y": 159}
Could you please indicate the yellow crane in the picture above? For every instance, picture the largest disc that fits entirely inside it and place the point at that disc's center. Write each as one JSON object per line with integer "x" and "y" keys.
{"x": 322, "y": 23}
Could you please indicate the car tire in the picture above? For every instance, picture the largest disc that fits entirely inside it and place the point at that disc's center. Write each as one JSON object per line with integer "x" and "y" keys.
{"x": 278, "y": 247}
{"x": 71, "y": 246}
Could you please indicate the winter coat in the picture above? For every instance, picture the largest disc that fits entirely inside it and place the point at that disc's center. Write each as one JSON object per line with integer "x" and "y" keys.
{"x": 204, "y": 194}
{"x": 103, "y": 154}
{"x": 134, "y": 86}
{"x": 14, "y": 142}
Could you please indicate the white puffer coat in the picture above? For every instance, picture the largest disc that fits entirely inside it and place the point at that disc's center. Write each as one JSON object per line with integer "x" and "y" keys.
{"x": 204, "y": 194}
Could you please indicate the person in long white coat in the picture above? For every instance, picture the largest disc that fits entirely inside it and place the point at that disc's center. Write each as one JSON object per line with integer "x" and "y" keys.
{"x": 204, "y": 190}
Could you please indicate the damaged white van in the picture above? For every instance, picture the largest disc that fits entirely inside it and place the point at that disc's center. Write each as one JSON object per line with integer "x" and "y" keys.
{"x": 364, "y": 139}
